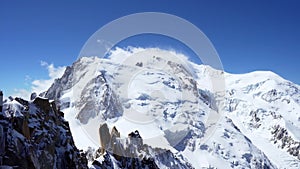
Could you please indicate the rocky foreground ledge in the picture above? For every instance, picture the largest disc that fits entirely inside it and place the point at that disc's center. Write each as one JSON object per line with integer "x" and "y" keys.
{"x": 35, "y": 135}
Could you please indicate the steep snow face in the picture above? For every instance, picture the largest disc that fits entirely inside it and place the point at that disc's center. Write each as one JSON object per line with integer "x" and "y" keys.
{"x": 84, "y": 92}
{"x": 176, "y": 105}
{"x": 265, "y": 108}
{"x": 150, "y": 90}
{"x": 158, "y": 93}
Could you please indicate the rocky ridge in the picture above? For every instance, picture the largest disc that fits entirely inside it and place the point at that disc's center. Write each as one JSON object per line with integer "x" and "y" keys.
{"x": 34, "y": 134}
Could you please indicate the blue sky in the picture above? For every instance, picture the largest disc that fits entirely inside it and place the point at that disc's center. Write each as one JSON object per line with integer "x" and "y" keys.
{"x": 248, "y": 35}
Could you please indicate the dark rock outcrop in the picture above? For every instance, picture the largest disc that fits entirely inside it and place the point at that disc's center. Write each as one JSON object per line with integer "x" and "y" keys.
{"x": 285, "y": 141}
{"x": 104, "y": 137}
{"x": 132, "y": 153}
{"x": 39, "y": 137}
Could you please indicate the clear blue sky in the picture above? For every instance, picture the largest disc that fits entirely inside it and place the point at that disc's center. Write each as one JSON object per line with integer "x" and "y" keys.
{"x": 248, "y": 35}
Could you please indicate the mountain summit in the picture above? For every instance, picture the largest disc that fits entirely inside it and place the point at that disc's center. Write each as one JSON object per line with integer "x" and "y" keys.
{"x": 251, "y": 121}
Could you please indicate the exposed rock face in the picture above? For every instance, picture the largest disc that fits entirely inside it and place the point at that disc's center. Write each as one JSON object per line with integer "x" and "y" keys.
{"x": 95, "y": 96}
{"x": 132, "y": 153}
{"x": 98, "y": 99}
{"x": 284, "y": 141}
{"x": 37, "y": 137}
{"x": 61, "y": 84}
{"x": 104, "y": 137}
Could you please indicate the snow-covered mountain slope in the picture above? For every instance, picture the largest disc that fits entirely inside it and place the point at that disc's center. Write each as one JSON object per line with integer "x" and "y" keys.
{"x": 179, "y": 106}
{"x": 265, "y": 108}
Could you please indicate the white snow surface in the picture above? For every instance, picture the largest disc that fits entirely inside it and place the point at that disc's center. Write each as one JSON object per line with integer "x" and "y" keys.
{"x": 12, "y": 108}
{"x": 155, "y": 100}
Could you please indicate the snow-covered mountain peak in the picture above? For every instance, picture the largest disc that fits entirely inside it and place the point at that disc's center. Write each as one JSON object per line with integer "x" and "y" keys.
{"x": 255, "y": 78}
{"x": 152, "y": 88}
{"x": 178, "y": 105}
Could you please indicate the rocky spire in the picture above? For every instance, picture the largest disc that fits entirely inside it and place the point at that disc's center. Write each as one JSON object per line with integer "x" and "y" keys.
{"x": 1, "y": 101}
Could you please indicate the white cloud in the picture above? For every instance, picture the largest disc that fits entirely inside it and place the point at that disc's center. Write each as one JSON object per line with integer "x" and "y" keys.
{"x": 40, "y": 85}
{"x": 23, "y": 93}
{"x": 107, "y": 45}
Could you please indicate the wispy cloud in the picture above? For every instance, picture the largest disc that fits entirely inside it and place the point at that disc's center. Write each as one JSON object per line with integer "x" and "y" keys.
{"x": 40, "y": 85}
{"x": 23, "y": 93}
